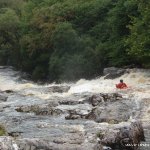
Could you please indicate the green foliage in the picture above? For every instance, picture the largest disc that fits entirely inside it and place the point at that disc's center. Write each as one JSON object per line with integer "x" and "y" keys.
{"x": 39, "y": 73}
{"x": 139, "y": 39}
{"x": 65, "y": 39}
{"x": 2, "y": 130}
{"x": 70, "y": 39}
{"x": 119, "y": 18}
{"x": 9, "y": 29}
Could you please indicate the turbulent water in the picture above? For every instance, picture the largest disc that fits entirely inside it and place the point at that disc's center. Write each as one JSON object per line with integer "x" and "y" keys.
{"x": 27, "y": 93}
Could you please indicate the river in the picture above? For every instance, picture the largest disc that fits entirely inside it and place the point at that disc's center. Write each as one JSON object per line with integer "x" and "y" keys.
{"x": 37, "y": 114}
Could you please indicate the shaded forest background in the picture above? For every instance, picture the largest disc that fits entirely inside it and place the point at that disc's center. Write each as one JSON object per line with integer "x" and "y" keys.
{"x": 69, "y": 39}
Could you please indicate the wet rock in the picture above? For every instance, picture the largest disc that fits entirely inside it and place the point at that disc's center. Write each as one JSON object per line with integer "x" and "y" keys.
{"x": 59, "y": 89}
{"x": 112, "y": 113}
{"x": 111, "y": 97}
{"x": 53, "y": 103}
{"x": 72, "y": 115}
{"x": 3, "y": 67}
{"x": 48, "y": 111}
{"x": 23, "y": 109}
{"x": 8, "y": 91}
{"x": 74, "y": 100}
{"x": 26, "y": 144}
{"x": 113, "y": 72}
{"x": 104, "y": 104}
{"x": 3, "y": 98}
{"x": 14, "y": 134}
{"x": 7, "y": 143}
{"x": 69, "y": 102}
{"x": 120, "y": 138}
{"x": 73, "y": 143}
{"x": 39, "y": 110}
{"x": 75, "y": 114}
{"x": 16, "y": 120}
{"x": 97, "y": 99}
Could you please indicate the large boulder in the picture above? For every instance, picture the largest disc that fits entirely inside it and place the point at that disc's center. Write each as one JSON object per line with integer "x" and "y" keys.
{"x": 97, "y": 99}
{"x": 112, "y": 112}
{"x": 97, "y": 107}
{"x": 113, "y": 72}
{"x": 126, "y": 137}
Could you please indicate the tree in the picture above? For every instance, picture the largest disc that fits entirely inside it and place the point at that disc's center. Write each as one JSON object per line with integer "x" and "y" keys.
{"x": 72, "y": 39}
{"x": 139, "y": 39}
{"x": 9, "y": 29}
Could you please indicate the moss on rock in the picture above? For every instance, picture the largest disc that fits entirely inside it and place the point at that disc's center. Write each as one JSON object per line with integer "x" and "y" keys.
{"x": 2, "y": 130}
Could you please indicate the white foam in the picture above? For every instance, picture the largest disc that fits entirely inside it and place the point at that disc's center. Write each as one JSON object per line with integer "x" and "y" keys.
{"x": 136, "y": 79}
{"x": 15, "y": 146}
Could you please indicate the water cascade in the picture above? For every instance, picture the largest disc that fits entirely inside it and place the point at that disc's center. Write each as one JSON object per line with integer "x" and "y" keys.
{"x": 86, "y": 115}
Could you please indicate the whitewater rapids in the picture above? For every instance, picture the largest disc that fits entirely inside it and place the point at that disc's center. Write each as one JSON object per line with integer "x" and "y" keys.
{"x": 138, "y": 81}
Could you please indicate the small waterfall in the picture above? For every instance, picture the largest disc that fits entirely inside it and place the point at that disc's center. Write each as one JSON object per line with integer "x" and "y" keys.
{"x": 137, "y": 80}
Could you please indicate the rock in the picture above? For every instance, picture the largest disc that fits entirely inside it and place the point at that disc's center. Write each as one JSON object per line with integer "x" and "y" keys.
{"x": 111, "y": 97}
{"x": 76, "y": 114}
{"x": 113, "y": 72}
{"x": 73, "y": 143}
{"x": 69, "y": 102}
{"x": 103, "y": 103}
{"x": 112, "y": 113}
{"x": 96, "y": 99}
{"x": 53, "y": 103}
{"x": 7, "y": 143}
{"x": 8, "y": 91}
{"x": 72, "y": 117}
{"x": 58, "y": 89}
{"x": 39, "y": 110}
{"x": 109, "y": 139}
{"x": 122, "y": 137}
{"x": 3, "y": 98}
{"x": 14, "y": 134}
{"x": 3, "y": 67}
{"x": 101, "y": 98}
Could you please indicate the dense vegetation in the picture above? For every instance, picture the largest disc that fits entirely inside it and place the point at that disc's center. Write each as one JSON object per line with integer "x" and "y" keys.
{"x": 69, "y": 39}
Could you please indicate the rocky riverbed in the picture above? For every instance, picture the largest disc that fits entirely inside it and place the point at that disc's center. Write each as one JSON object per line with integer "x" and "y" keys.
{"x": 87, "y": 115}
